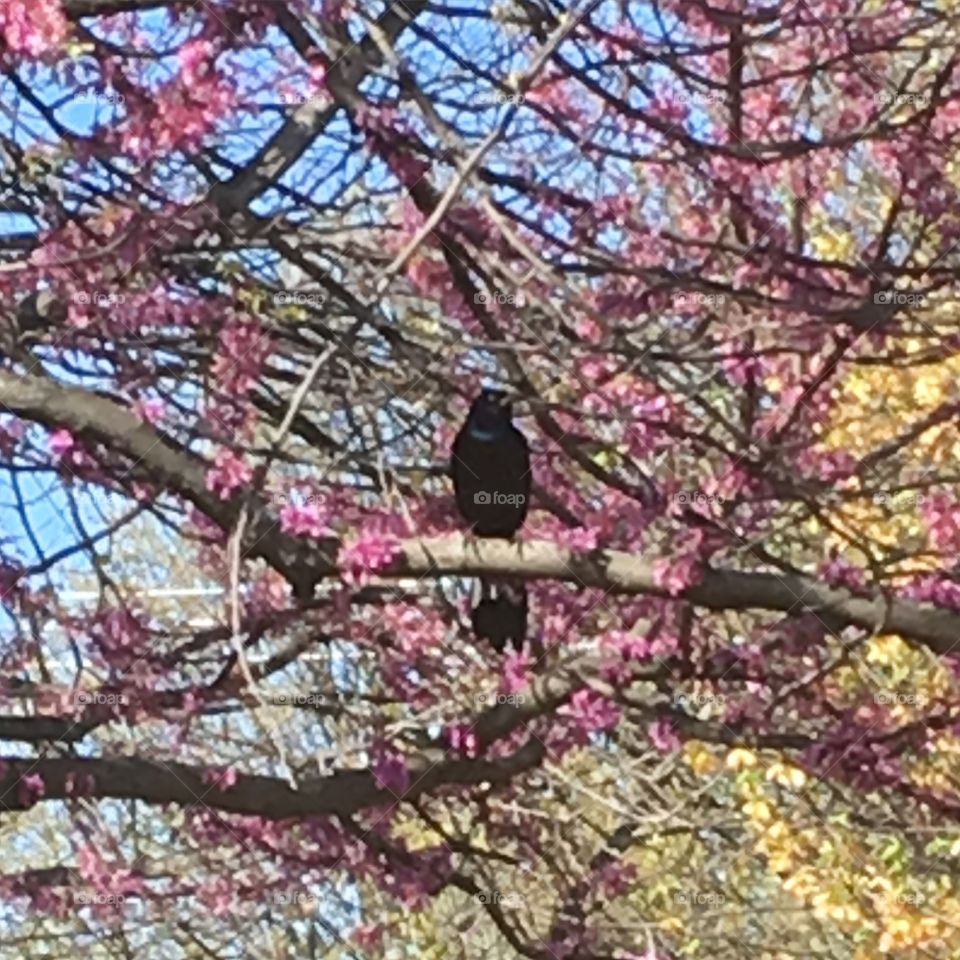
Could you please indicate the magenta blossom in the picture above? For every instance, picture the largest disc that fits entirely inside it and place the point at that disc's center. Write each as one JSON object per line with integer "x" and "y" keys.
{"x": 390, "y": 771}
{"x": 229, "y": 472}
{"x": 590, "y": 712}
{"x": 367, "y": 555}
{"x": 305, "y": 520}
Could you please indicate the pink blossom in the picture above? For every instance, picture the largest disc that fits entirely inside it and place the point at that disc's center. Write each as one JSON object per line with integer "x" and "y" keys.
{"x": 228, "y": 473}
{"x": 60, "y": 443}
{"x": 367, "y": 555}
{"x": 196, "y": 58}
{"x": 178, "y": 115}
{"x": 590, "y": 712}
{"x": 625, "y": 644}
{"x": 740, "y": 368}
{"x": 220, "y": 777}
{"x": 676, "y": 574}
{"x": 152, "y": 410}
{"x": 93, "y": 867}
{"x": 305, "y": 520}
{"x": 840, "y": 572}
{"x": 578, "y": 538}
{"x": 31, "y": 788}
{"x": 942, "y": 515}
{"x": 120, "y": 637}
{"x": 461, "y": 738}
{"x": 244, "y": 347}
{"x": 588, "y": 329}
{"x": 318, "y": 75}
{"x": 32, "y": 27}
{"x": 390, "y": 771}
{"x": 516, "y": 672}
{"x": 937, "y": 590}
{"x": 663, "y": 736}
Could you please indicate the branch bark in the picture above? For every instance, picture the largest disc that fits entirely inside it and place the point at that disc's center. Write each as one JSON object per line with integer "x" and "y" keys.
{"x": 306, "y": 564}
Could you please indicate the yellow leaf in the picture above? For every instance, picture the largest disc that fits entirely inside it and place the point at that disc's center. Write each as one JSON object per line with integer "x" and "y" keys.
{"x": 741, "y": 759}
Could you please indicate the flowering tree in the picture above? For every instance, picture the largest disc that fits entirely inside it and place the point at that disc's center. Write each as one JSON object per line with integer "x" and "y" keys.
{"x": 257, "y": 257}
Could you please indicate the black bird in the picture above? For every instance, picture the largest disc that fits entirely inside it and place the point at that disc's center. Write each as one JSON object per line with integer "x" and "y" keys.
{"x": 491, "y": 480}
{"x": 491, "y": 468}
{"x": 501, "y": 619}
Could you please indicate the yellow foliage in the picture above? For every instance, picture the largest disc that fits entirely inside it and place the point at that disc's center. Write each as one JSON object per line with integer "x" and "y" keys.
{"x": 787, "y": 775}
{"x": 741, "y": 759}
{"x": 701, "y": 760}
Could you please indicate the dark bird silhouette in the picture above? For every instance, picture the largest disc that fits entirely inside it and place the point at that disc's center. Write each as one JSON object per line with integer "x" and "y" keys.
{"x": 491, "y": 468}
{"x": 491, "y": 480}
{"x": 501, "y": 615}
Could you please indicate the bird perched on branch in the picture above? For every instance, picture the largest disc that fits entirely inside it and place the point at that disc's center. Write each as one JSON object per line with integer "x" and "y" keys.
{"x": 491, "y": 468}
{"x": 491, "y": 480}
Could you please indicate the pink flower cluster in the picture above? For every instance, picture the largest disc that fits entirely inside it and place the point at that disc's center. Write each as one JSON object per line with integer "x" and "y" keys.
{"x": 120, "y": 637}
{"x": 31, "y": 789}
{"x": 390, "y": 770}
{"x": 32, "y": 27}
{"x": 937, "y": 590}
{"x": 244, "y": 346}
{"x": 941, "y": 511}
{"x": 181, "y": 113}
{"x": 228, "y": 474}
{"x": 367, "y": 554}
{"x": 310, "y": 519}
{"x": 589, "y": 712}
{"x": 840, "y": 572}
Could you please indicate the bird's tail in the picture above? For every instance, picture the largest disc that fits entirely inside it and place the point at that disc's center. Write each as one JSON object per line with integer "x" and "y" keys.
{"x": 500, "y": 615}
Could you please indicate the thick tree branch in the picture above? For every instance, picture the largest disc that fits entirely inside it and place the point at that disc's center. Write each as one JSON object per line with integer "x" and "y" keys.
{"x": 623, "y": 573}
{"x": 305, "y": 565}
{"x": 342, "y": 793}
{"x": 93, "y": 417}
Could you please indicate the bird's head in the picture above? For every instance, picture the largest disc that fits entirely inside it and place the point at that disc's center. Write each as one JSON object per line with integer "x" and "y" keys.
{"x": 491, "y": 409}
